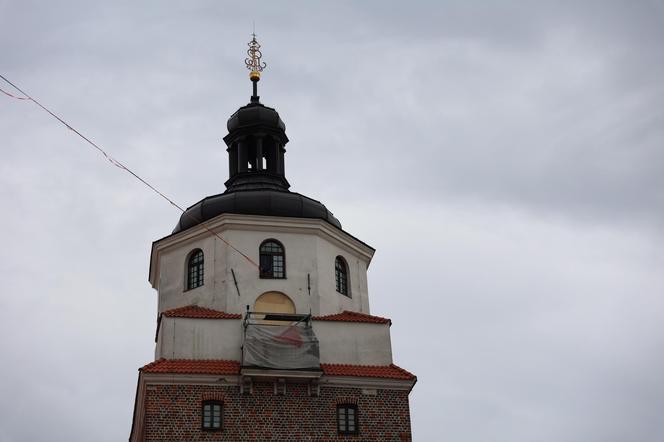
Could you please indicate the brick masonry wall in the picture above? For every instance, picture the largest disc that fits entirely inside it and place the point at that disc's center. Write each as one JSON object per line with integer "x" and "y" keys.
{"x": 173, "y": 413}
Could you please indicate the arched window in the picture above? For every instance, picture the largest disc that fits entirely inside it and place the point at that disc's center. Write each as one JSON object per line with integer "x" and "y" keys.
{"x": 341, "y": 275}
{"x": 272, "y": 259}
{"x": 195, "y": 269}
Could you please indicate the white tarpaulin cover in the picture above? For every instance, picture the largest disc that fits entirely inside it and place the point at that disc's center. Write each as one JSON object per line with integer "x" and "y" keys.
{"x": 284, "y": 347}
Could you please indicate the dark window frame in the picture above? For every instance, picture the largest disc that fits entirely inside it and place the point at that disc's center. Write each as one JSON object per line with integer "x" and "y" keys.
{"x": 211, "y": 426}
{"x": 195, "y": 270}
{"x": 344, "y": 419}
{"x": 341, "y": 278}
{"x": 269, "y": 255}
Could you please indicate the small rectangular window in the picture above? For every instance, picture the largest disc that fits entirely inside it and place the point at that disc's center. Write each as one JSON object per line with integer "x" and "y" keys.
{"x": 347, "y": 419}
{"x": 212, "y": 415}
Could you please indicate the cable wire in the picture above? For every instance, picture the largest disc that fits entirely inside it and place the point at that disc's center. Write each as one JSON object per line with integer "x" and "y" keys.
{"x": 119, "y": 165}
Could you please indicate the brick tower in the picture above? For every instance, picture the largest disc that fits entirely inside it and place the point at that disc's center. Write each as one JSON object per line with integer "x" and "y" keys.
{"x": 263, "y": 326}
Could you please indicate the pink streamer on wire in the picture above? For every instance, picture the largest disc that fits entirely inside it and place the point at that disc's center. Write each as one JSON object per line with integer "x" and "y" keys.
{"x": 14, "y": 96}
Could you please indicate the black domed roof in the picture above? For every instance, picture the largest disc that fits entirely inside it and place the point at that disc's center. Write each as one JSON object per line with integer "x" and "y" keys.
{"x": 253, "y": 114}
{"x": 257, "y": 183}
{"x": 255, "y": 202}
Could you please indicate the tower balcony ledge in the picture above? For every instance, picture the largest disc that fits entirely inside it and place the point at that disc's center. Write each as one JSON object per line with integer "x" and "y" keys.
{"x": 270, "y": 374}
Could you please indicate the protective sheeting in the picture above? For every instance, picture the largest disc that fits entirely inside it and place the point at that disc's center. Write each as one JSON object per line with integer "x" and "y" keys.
{"x": 282, "y": 347}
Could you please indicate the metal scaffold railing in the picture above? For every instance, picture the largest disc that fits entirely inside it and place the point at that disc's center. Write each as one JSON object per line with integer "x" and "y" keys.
{"x": 279, "y": 341}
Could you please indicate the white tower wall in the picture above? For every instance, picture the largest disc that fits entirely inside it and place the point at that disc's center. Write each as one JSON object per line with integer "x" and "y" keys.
{"x": 311, "y": 247}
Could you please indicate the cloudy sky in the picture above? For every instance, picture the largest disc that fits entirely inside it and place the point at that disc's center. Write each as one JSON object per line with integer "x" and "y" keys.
{"x": 505, "y": 159}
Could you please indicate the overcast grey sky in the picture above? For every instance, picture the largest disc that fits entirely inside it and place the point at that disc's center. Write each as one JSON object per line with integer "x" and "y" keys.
{"x": 505, "y": 159}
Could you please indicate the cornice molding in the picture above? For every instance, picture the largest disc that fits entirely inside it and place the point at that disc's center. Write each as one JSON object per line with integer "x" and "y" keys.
{"x": 234, "y": 380}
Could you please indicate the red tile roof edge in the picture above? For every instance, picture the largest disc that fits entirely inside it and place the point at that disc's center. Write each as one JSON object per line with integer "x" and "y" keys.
{"x": 227, "y": 367}
{"x": 348, "y": 316}
{"x": 192, "y": 366}
{"x": 194, "y": 311}
{"x": 373, "y": 371}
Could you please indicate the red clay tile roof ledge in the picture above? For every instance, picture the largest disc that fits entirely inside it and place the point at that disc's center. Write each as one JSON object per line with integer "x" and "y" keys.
{"x": 224, "y": 367}
{"x": 367, "y": 371}
{"x": 191, "y": 366}
{"x": 348, "y": 316}
{"x": 194, "y": 311}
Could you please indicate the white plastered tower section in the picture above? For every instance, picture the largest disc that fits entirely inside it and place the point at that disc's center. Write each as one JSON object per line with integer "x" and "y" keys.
{"x": 311, "y": 247}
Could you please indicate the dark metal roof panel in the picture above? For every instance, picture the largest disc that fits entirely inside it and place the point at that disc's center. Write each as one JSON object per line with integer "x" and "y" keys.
{"x": 266, "y": 202}
{"x": 255, "y": 114}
